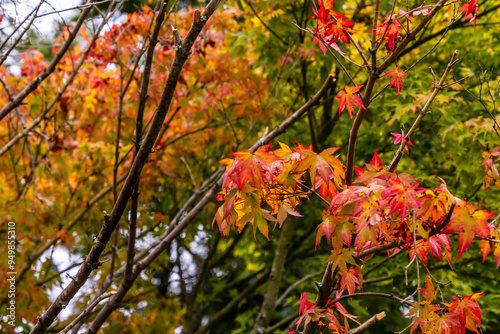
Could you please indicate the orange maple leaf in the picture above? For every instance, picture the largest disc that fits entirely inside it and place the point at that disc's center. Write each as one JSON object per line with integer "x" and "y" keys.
{"x": 396, "y": 79}
{"x": 350, "y": 98}
{"x": 340, "y": 28}
{"x": 468, "y": 222}
{"x": 328, "y": 4}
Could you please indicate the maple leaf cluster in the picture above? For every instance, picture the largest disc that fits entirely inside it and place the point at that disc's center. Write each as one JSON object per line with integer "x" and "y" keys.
{"x": 455, "y": 317}
{"x": 310, "y": 312}
{"x": 380, "y": 208}
{"x": 331, "y": 26}
{"x": 470, "y": 10}
{"x": 273, "y": 178}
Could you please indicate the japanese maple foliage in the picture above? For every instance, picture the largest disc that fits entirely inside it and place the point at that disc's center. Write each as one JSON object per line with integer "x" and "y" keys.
{"x": 123, "y": 146}
{"x": 381, "y": 208}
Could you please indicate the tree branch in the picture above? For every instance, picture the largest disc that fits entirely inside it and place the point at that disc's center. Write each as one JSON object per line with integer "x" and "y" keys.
{"x": 423, "y": 112}
{"x": 274, "y": 279}
{"x": 367, "y": 324}
{"x": 18, "y": 99}
{"x": 111, "y": 221}
{"x": 374, "y": 73}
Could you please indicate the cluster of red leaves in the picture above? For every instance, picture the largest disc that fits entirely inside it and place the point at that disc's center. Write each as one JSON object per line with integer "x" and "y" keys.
{"x": 389, "y": 30}
{"x": 448, "y": 318}
{"x": 273, "y": 178}
{"x": 310, "y": 312}
{"x": 330, "y": 26}
{"x": 350, "y": 98}
{"x": 380, "y": 208}
{"x": 396, "y": 78}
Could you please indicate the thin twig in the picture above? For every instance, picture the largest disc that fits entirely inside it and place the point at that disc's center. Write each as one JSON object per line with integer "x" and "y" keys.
{"x": 423, "y": 112}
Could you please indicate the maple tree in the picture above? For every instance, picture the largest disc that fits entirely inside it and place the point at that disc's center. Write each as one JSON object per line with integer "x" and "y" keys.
{"x": 140, "y": 148}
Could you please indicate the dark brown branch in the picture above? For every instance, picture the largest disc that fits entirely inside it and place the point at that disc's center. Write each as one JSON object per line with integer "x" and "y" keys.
{"x": 18, "y": 99}
{"x": 369, "y": 294}
{"x": 86, "y": 311}
{"x": 374, "y": 73}
{"x": 111, "y": 221}
{"x": 132, "y": 228}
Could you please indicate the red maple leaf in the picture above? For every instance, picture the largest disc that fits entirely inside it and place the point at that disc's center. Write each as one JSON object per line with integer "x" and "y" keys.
{"x": 389, "y": 30}
{"x": 399, "y": 139}
{"x": 375, "y": 163}
{"x": 444, "y": 324}
{"x": 340, "y": 28}
{"x": 349, "y": 280}
{"x": 322, "y": 164}
{"x": 401, "y": 196}
{"x": 306, "y": 309}
{"x": 396, "y": 79}
{"x": 249, "y": 167}
{"x": 467, "y": 309}
{"x": 429, "y": 292}
{"x": 350, "y": 98}
{"x": 304, "y": 303}
{"x": 470, "y": 9}
{"x": 437, "y": 243}
{"x": 468, "y": 222}
{"x": 321, "y": 16}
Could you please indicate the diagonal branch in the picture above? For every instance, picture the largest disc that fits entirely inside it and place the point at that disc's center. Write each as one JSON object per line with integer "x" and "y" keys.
{"x": 111, "y": 221}
{"x": 368, "y": 323}
{"x": 438, "y": 86}
{"x": 374, "y": 73}
{"x": 18, "y": 99}
{"x": 183, "y": 218}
